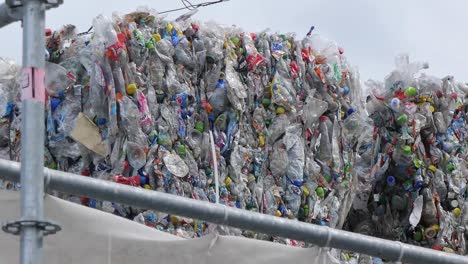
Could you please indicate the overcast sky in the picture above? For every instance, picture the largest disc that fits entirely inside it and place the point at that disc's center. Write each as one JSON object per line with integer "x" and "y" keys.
{"x": 371, "y": 32}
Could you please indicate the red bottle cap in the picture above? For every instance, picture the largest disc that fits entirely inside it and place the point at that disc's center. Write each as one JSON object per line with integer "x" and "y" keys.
{"x": 84, "y": 200}
{"x": 253, "y": 36}
{"x": 121, "y": 37}
{"x": 437, "y": 247}
{"x": 48, "y": 32}
{"x": 323, "y": 118}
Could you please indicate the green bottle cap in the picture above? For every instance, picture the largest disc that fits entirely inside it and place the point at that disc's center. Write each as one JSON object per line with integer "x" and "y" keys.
{"x": 53, "y": 166}
{"x": 327, "y": 177}
{"x": 407, "y": 150}
{"x": 235, "y": 40}
{"x": 450, "y": 167}
{"x": 266, "y": 102}
{"x": 402, "y": 119}
{"x": 417, "y": 236}
{"x": 320, "y": 192}
{"x": 200, "y": 126}
{"x": 150, "y": 45}
{"x": 181, "y": 150}
{"x": 410, "y": 91}
{"x": 160, "y": 96}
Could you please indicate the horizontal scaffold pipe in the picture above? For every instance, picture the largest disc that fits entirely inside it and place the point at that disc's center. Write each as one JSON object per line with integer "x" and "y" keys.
{"x": 219, "y": 214}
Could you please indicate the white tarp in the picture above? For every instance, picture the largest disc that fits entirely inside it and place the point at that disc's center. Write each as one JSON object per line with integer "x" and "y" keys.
{"x": 91, "y": 236}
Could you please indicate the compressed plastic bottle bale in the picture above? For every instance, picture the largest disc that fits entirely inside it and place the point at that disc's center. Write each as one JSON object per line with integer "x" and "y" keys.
{"x": 164, "y": 85}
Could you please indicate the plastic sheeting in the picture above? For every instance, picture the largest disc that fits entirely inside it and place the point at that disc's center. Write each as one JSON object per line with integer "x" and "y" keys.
{"x": 92, "y": 236}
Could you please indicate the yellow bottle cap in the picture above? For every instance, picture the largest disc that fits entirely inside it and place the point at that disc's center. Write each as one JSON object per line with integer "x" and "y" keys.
{"x": 251, "y": 178}
{"x": 261, "y": 140}
{"x": 169, "y": 27}
{"x": 432, "y": 168}
{"x": 147, "y": 187}
{"x": 174, "y": 219}
{"x": 457, "y": 212}
{"x": 278, "y": 213}
{"x": 448, "y": 250}
{"x": 131, "y": 88}
{"x": 431, "y": 107}
{"x": 417, "y": 163}
{"x": 228, "y": 181}
{"x": 305, "y": 191}
{"x": 280, "y": 110}
{"x": 156, "y": 37}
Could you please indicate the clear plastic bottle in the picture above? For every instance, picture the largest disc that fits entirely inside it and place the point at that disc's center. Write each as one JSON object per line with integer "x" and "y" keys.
{"x": 429, "y": 211}
{"x": 439, "y": 185}
{"x": 325, "y": 149}
{"x": 136, "y": 155}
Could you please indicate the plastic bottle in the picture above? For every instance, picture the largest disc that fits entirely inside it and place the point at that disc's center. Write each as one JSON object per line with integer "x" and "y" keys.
{"x": 136, "y": 155}
{"x": 325, "y": 150}
{"x": 57, "y": 79}
{"x": 429, "y": 211}
{"x": 439, "y": 184}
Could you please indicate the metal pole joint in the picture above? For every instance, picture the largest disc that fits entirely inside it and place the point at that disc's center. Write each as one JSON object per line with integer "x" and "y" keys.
{"x": 19, "y": 3}
{"x": 47, "y": 228}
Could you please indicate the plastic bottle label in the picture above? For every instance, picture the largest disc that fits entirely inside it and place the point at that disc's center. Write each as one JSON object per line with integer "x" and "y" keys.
{"x": 33, "y": 84}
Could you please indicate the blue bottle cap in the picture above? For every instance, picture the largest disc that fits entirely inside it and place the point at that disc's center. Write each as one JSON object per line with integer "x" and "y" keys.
{"x": 283, "y": 210}
{"x": 391, "y": 181}
{"x": 211, "y": 117}
{"x": 350, "y": 111}
{"x": 418, "y": 184}
{"x": 92, "y": 203}
{"x": 101, "y": 121}
{"x": 54, "y": 103}
{"x": 143, "y": 180}
{"x": 150, "y": 217}
{"x": 346, "y": 90}
{"x": 380, "y": 210}
{"x": 220, "y": 84}
{"x": 10, "y": 107}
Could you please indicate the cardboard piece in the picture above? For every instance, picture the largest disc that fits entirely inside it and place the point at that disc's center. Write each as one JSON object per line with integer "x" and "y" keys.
{"x": 87, "y": 133}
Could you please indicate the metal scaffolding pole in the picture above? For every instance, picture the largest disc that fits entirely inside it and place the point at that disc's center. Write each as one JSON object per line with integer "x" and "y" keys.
{"x": 222, "y": 215}
{"x": 31, "y": 226}
{"x": 32, "y": 136}
{"x": 6, "y": 16}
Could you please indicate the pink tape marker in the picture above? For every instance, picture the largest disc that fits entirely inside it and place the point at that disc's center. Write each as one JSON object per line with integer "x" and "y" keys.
{"x": 33, "y": 85}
